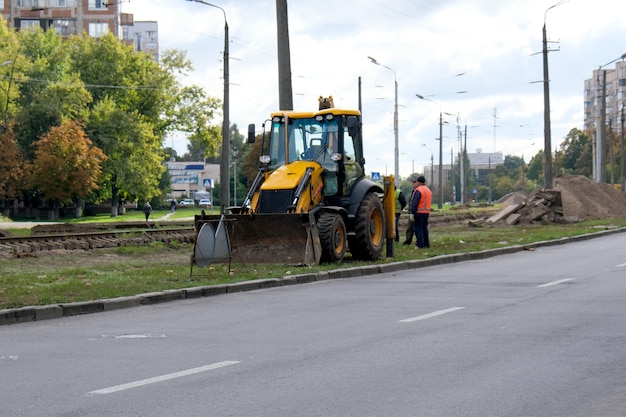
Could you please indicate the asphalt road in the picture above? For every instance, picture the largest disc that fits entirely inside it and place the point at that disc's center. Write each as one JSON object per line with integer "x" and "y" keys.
{"x": 536, "y": 333}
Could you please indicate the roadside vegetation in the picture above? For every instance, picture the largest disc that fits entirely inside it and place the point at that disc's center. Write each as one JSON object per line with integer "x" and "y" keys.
{"x": 124, "y": 271}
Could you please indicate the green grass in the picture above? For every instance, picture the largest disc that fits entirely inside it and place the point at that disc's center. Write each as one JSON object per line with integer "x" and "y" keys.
{"x": 106, "y": 273}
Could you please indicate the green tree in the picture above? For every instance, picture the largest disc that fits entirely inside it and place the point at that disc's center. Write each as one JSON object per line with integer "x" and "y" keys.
{"x": 534, "y": 169}
{"x": 134, "y": 165}
{"x": 251, "y": 162}
{"x": 575, "y": 156}
{"x": 12, "y": 169}
{"x": 49, "y": 92}
{"x": 66, "y": 165}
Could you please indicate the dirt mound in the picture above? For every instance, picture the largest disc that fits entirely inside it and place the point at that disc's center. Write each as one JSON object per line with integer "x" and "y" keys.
{"x": 586, "y": 200}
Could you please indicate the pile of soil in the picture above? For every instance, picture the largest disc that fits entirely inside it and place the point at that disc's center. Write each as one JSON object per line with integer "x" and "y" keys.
{"x": 587, "y": 200}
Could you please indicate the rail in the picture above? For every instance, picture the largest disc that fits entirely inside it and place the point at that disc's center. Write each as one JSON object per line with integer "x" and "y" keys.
{"x": 14, "y": 247}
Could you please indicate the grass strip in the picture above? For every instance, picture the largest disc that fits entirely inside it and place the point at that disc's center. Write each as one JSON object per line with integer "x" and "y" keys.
{"x": 75, "y": 276}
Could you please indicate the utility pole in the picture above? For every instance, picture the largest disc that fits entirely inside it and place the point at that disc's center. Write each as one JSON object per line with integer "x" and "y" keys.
{"x": 285, "y": 93}
{"x": 622, "y": 153}
{"x": 440, "y": 204}
{"x": 453, "y": 187}
{"x": 489, "y": 178}
{"x": 602, "y": 142}
{"x": 547, "y": 132}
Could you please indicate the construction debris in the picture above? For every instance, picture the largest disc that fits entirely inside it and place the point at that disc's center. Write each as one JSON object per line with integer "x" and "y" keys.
{"x": 543, "y": 206}
{"x": 574, "y": 198}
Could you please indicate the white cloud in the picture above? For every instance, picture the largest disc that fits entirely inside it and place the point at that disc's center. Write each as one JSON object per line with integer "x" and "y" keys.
{"x": 426, "y": 43}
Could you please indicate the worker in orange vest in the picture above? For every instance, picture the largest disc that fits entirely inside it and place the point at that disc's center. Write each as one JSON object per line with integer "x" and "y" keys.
{"x": 421, "y": 200}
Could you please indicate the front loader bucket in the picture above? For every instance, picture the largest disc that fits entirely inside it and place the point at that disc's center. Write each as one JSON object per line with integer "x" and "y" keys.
{"x": 290, "y": 239}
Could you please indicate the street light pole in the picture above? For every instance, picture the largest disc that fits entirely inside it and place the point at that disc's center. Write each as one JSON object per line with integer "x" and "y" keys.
{"x": 396, "y": 152}
{"x": 225, "y": 157}
{"x": 440, "y": 185}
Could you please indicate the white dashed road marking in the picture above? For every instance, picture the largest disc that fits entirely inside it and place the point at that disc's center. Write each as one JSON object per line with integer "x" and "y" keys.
{"x": 163, "y": 378}
{"x": 561, "y": 281}
{"x": 433, "y": 314}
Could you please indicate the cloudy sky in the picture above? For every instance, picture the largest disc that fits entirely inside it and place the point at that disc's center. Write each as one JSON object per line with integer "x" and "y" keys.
{"x": 427, "y": 44}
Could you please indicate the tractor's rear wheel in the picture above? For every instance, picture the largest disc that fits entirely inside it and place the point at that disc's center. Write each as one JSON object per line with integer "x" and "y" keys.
{"x": 369, "y": 229}
{"x": 332, "y": 232}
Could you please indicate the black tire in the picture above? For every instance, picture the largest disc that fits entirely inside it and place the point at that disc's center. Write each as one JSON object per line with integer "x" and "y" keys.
{"x": 369, "y": 229}
{"x": 332, "y": 232}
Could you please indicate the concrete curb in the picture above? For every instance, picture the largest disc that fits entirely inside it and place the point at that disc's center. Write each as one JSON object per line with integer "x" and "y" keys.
{"x": 38, "y": 313}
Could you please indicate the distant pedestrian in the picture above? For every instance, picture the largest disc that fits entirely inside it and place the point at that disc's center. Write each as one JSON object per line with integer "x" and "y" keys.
{"x": 400, "y": 205}
{"x": 147, "y": 209}
{"x": 173, "y": 205}
{"x": 420, "y": 209}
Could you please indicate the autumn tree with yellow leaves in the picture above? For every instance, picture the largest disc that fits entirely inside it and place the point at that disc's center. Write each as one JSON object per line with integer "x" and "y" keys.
{"x": 67, "y": 166}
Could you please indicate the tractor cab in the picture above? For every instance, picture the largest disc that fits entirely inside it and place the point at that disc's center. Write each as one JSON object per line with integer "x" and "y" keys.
{"x": 330, "y": 137}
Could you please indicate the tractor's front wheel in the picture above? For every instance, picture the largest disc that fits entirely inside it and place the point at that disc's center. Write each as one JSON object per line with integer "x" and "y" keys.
{"x": 332, "y": 232}
{"x": 369, "y": 229}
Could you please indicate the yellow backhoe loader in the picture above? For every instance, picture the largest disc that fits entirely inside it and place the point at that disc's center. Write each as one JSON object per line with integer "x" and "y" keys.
{"x": 310, "y": 201}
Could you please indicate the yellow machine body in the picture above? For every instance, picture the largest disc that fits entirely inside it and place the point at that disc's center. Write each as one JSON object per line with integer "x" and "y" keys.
{"x": 310, "y": 201}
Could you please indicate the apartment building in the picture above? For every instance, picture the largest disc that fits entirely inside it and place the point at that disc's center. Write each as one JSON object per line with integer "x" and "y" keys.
{"x": 67, "y": 17}
{"x": 144, "y": 36}
{"x": 614, "y": 93}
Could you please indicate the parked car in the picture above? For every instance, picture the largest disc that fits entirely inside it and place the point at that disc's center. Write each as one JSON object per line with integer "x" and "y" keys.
{"x": 186, "y": 202}
{"x": 205, "y": 202}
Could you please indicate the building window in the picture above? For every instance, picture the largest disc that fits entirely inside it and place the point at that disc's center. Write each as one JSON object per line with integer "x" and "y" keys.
{"x": 36, "y": 4}
{"x": 64, "y": 27}
{"x": 97, "y": 30}
{"x": 98, "y": 5}
{"x": 43, "y": 4}
{"x": 30, "y": 3}
{"x": 29, "y": 24}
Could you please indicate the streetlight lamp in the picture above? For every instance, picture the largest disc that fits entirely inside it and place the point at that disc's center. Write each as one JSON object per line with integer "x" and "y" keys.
{"x": 396, "y": 155}
{"x": 225, "y": 158}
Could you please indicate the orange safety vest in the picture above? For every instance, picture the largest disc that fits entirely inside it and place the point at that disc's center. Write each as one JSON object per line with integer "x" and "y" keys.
{"x": 426, "y": 197}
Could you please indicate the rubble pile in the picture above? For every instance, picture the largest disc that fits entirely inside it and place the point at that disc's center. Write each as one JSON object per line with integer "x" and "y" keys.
{"x": 574, "y": 198}
{"x": 541, "y": 206}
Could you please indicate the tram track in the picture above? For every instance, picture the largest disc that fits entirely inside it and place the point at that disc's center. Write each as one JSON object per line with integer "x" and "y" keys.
{"x": 42, "y": 243}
